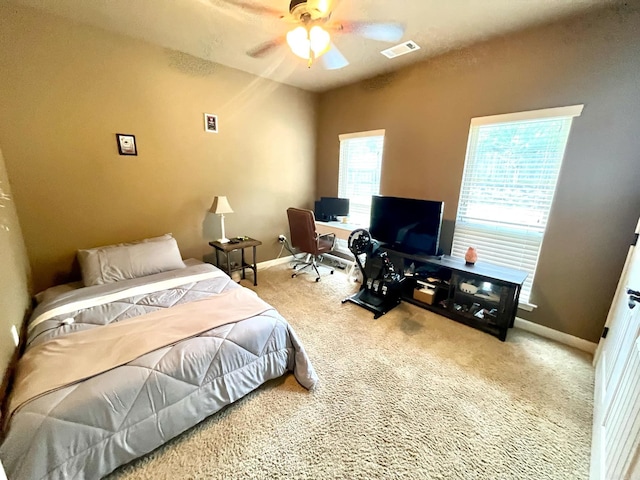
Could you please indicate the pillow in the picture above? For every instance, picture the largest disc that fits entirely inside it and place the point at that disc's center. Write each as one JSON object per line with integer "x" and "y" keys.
{"x": 124, "y": 261}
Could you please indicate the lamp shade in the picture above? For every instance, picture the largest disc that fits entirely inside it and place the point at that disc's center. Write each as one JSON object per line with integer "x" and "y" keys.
{"x": 220, "y": 205}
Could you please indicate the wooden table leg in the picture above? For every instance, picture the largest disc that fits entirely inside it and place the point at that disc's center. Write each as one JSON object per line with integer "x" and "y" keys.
{"x": 228, "y": 263}
{"x": 255, "y": 268}
{"x": 243, "y": 263}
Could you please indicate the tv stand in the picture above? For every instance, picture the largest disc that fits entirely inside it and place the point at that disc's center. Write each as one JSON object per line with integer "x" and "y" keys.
{"x": 483, "y": 295}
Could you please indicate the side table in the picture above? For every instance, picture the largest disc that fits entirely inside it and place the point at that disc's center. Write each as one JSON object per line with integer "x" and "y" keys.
{"x": 229, "y": 247}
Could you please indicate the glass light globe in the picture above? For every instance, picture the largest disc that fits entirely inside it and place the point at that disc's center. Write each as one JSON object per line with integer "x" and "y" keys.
{"x": 299, "y": 43}
{"x": 319, "y": 40}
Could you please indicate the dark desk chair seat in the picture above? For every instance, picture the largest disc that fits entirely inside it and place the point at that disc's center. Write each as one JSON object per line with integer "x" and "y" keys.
{"x": 304, "y": 237}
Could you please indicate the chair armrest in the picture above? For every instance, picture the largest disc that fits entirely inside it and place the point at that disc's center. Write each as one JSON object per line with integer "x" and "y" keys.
{"x": 330, "y": 236}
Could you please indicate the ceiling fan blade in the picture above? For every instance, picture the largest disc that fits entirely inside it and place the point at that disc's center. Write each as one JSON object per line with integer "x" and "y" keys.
{"x": 384, "y": 32}
{"x": 265, "y": 48}
{"x": 333, "y": 59}
{"x": 256, "y": 8}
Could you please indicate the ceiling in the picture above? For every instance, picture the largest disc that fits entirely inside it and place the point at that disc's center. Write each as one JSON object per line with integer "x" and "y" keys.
{"x": 221, "y": 32}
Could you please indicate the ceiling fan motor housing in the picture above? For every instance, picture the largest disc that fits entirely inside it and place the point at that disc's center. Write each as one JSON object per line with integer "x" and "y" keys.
{"x": 295, "y": 3}
{"x": 300, "y": 9}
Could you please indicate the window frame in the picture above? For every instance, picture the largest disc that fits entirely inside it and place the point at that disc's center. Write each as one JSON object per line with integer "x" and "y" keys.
{"x": 466, "y": 185}
{"x": 342, "y": 175}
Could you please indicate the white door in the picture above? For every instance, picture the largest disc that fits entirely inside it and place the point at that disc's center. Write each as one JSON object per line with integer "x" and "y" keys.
{"x": 615, "y": 451}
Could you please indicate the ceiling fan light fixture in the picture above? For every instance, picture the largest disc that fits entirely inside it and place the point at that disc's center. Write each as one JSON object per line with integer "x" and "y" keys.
{"x": 302, "y": 41}
{"x": 299, "y": 42}
{"x": 319, "y": 39}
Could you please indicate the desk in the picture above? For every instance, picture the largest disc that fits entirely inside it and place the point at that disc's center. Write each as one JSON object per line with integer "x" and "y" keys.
{"x": 342, "y": 230}
{"x": 227, "y": 248}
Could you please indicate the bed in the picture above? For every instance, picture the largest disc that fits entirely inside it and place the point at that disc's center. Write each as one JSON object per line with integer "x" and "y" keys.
{"x": 113, "y": 370}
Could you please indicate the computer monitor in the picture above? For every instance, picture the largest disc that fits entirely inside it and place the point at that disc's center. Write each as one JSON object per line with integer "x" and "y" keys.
{"x": 330, "y": 208}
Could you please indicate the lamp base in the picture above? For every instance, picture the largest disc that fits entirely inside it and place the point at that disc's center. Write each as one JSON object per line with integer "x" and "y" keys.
{"x": 223, "y": 240}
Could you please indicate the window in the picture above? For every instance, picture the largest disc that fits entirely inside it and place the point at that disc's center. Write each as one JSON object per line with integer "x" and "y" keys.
{"x": 359, "y": 177}
{"x": 510, "y": 176}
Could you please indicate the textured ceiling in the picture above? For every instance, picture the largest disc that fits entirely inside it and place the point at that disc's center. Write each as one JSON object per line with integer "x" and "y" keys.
{"x": 221, "y": 32}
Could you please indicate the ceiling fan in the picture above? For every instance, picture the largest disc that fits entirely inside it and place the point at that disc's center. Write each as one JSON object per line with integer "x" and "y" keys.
{"x": 311, "y": 39}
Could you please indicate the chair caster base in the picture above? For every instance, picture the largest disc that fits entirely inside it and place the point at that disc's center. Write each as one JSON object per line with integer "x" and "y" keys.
{"x": 302, "y": 268}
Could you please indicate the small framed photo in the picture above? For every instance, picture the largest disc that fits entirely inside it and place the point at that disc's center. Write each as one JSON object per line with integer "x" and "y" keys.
{"x": 126, "y": 144}
{"x": 210, "y": 123}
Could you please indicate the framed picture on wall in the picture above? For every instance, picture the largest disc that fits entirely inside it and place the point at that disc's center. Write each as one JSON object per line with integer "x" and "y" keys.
{"x": 126, "y": 144}
{"x": 210, "y": 123}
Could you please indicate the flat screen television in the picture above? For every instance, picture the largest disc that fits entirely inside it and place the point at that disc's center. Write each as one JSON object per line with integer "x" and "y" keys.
{"x": 330, "y": 208}
{"x": 407, "y": 225}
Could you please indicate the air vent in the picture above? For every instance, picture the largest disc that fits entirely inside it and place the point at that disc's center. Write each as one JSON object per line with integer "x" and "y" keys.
{"x": 402, "y": 49}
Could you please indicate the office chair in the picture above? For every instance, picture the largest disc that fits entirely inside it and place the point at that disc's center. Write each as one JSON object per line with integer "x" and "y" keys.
{"x": 304, "y": 237}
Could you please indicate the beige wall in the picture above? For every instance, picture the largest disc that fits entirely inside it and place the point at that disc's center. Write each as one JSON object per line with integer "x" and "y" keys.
{"x": 66, "y": 89}
{"x": 14, "y": 277}
{"x": 426, "y": 112}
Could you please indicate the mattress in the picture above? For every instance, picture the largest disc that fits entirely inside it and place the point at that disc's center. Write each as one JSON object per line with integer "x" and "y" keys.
{"x": 86, "y": 428}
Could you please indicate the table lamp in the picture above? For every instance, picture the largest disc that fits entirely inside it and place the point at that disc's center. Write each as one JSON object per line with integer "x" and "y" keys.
{"x": 220, "y": 207}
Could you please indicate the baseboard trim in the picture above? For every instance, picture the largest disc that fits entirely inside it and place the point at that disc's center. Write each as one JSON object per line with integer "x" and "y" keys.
{"x": 275, "y": 261}
{"x": 560, "y": 337}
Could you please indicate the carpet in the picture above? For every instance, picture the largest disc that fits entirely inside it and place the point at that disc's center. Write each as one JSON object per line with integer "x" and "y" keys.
{"x": 411, "y": 395}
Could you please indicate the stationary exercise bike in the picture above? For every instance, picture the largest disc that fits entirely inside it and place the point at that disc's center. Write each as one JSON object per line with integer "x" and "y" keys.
{"x": 381, "y": 283}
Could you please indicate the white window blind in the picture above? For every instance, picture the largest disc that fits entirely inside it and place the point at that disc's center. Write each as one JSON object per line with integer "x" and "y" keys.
{"x": 359, "y": 176}
{"x": 509, "y": 180}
